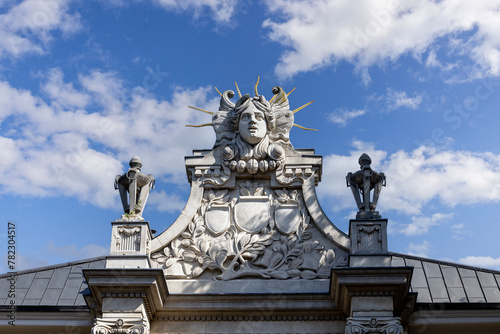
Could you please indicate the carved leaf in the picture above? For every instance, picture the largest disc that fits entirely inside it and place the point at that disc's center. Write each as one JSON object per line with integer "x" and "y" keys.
{"x": 221, "y": 193}
{"x": 279, "y": 274}
{"x": 330, "y": 256}
{"x": 293, "y": 272}
{"x": 255, "y": 238}
{"x": 258, "y": 248}
{"x": 242, "y": 240}
{"x": 306, "y": 236}
{"x": 199, "y": 230}
{"x": 159, "y": 258}
{"x": 171, "y": 261}
{"x": 275, "y": 259}
{"x": 308, "y": 274}
{"x": 295, "y": 252}
{"x": 221, "y": 257}
{"x": 295, "y": 263}
{"x": 204, "y": 246}
{"x": 324, "y": 271}
{"x": 259, "y": 191}
{"x": 186, "y": 235}
{"x": 211, "y": 195}
{"x": 244, "y": 192}
{"x": 197, "y": 271}
{"x": 189, "y": 256}
{"x": 213, "y": 266}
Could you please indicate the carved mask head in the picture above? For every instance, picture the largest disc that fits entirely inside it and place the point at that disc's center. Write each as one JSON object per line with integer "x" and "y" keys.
{"x": 250, "y": 120}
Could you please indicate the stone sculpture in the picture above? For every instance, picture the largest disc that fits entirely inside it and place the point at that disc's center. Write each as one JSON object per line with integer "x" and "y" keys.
{"x": 361, "y": 183}
{"x": 137, "y": 185}
{"x": 251, "y": 220}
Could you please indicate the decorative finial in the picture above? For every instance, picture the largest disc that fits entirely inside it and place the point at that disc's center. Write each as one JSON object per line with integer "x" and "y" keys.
{"x": 361, "y": 183}
{"x": 137, "y": 185}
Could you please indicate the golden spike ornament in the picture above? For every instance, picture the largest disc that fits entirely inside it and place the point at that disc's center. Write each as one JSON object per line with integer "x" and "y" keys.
{"x": 302, "y": 107}
{"x": 304, "y": 128}
{"x": 198, "y": 126}
{"x": 199, "y": 109}
{"x": 220, "y": 94}
{"x": 238, "y": 89}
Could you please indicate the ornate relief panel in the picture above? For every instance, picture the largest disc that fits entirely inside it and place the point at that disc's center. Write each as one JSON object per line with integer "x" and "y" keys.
{"x": 250, "y": 231}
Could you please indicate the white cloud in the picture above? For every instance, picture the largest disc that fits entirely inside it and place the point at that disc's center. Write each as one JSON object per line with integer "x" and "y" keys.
{"x": 481, "y": 261}
{"x": 397, "y": 99}
{"x": 63, "y": 93}
{"x": 417, "y": 178}
{"x": 419, "y": 249}
{"x": 164, "y": 202}
{"x": 27, "y": 27}
{"x": 421, "y": 225}
{"x": 48, "y": 150}
{"x": 459, "y": 232}
{"x": 71, "y": 252}
{"x": 342, "y": 116}
{"x": 366, "y": 33}
{"x": 221, "y": 10}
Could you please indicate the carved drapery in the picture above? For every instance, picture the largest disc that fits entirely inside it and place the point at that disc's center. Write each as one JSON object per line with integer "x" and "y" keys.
{"x": 128, "y": 238}
{"x": 369, "y": 238}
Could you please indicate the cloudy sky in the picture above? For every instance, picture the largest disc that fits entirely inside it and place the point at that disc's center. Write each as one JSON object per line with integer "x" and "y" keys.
{"x": 86, "y": 85}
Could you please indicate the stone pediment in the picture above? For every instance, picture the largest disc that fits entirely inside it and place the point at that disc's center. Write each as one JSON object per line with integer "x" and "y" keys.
{"x": 252, "y": 211}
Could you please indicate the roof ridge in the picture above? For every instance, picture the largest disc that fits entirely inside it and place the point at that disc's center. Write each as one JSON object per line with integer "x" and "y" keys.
{"x": 53, "y": 266}
{"x": 414, "y": 257}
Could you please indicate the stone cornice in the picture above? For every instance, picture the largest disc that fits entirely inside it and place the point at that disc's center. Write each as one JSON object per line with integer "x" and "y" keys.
{"x": 148, "y": 284}
{"x": 377, "y": 281}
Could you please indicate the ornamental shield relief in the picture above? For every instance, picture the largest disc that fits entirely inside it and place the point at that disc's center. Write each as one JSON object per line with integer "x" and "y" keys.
{"x": 287, "y": 218}
{"x": 217, "y": 219}
{"x": 251, "y": 213}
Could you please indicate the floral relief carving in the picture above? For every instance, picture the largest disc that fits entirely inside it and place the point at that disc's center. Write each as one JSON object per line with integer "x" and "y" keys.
{"x": 251, "y": 231}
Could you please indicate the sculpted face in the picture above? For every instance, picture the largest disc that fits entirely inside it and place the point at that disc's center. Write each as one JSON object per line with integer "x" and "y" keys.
{"x": 252, "y": 125}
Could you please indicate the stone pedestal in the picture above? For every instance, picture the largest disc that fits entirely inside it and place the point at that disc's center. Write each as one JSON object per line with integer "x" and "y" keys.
{"x": 369, "y": 243}
{"x": 130, "y": 245}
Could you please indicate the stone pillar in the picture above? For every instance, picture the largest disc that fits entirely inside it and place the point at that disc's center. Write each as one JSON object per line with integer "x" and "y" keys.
{"x": 372, "y": 298}
{"x": 125, "y": 300}
{"x": 372, "y": 294}
{"x": 127, "y": 293}
{"x": 130, "y": 245}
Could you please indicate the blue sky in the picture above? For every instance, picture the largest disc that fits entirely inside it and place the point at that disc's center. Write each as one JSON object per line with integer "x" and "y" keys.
{"x": 86, "y": 85}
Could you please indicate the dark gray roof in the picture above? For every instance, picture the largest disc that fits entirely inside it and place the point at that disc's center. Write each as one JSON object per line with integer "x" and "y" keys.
{"x": 444, "y": 282}
{"x": 58, "y": 285}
